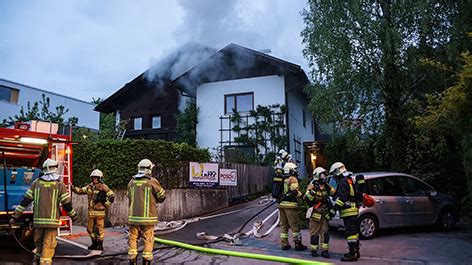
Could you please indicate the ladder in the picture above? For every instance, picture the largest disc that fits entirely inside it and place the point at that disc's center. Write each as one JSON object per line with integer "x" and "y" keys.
{"x": 121, "y": 134}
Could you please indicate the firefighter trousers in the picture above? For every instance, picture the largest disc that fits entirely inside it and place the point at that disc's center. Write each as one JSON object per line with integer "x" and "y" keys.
{"x": 96, "y": 227}
{"x": 319, "y": 233}
{"x": 147, "y": 232}
{"x": 289, "y": 219}
{"x": 45, "y": 242}
{"x": 352, "y": 235}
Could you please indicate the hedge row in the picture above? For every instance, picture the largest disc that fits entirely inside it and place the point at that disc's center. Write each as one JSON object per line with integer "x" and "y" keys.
{"x": 118, "y": 160}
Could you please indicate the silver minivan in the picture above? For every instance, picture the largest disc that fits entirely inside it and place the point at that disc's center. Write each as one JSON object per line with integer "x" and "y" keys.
{"x": 401, "y": 200}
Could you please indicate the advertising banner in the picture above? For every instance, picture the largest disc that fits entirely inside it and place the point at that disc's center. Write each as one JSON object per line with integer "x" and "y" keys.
{"x": 228, "y": 177}
{"x": 203, "y": 175}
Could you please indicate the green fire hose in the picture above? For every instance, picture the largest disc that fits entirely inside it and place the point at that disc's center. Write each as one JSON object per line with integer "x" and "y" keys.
{"x": 238, "y": 254}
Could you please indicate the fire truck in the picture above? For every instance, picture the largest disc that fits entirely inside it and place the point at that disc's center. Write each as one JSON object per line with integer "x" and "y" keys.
{"x": 23, "y": 149}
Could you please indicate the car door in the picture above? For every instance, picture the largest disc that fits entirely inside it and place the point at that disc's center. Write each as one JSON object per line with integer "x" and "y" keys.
{"x": 422, "y": 207}
{"x": 389, "y": 202}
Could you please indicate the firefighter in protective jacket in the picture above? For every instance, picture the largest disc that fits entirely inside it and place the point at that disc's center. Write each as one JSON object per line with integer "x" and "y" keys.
{"x": 288, "y": 209}
{"x": 144, "y": 192}
{"x": 317, "y": 198}
{"x": 100, "y": 198}
{"x": 278, "y": 180}
{"x": 347, "y": 203}
{"x": 47, "y": 193}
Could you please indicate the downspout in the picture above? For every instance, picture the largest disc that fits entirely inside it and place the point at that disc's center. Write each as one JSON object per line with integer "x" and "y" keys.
{"x": 287, "y": 114}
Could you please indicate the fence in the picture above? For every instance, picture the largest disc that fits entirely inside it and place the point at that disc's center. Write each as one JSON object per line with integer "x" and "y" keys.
{"x": 184, "y": 202}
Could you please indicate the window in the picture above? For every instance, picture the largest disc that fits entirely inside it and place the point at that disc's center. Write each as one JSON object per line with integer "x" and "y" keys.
{"x": 413, "y": 187}
{"x": 156, "y": 122}
{"x": 138, "y": 123}
{"x": 239, "y": 102}
{"x": 9, "y": 94}
{"x": 304, "y": 122}
{"x": 383, "y": 187}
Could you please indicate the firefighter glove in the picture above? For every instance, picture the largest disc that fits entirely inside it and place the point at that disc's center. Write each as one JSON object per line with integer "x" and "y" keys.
{"x": 330, "y": 214}
{"x": 12, "y": 220}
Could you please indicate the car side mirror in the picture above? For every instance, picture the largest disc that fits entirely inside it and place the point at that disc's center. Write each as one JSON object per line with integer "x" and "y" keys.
{"x": 432, "y": 193}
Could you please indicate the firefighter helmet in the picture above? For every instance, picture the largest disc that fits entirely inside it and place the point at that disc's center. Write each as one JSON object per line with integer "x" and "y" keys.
{"x": 319, "y": 174}
{"x": 145, "y": 166}
{"x": 283, "y": 154}
{"x": 337, "y": 169}
{"x": 50, "y": 166}
{"x": 291, "y": 169}
{"x": 97, "y": 174}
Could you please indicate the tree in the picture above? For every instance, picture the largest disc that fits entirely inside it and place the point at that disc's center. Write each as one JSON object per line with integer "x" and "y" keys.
{"x": 365, "y": 63}
{"x": 40, "y": 111}
{"x": 187, "y": 125}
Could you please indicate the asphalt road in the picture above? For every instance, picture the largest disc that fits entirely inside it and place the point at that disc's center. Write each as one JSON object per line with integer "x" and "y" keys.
{"x": 418, "y": 245}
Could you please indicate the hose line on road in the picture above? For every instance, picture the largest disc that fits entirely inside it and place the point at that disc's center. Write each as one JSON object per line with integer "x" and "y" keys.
{"x": 237, "y": 253}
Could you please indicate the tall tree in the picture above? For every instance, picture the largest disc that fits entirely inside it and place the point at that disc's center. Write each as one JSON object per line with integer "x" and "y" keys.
{"x": 365, "y": 62}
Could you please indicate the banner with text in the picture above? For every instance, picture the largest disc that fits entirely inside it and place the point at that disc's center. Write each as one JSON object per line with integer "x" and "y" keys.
{"x": 203, "y": 175}
{"x": 228, "y": 177}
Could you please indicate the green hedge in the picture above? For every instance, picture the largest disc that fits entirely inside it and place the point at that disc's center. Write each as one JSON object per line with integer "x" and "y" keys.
{"x": 118, "y": 160}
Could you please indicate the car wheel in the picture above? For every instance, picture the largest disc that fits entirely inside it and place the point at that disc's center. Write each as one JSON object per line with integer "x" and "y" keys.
{"x": 368, "y": 226}
{"x": 447, "y": 220}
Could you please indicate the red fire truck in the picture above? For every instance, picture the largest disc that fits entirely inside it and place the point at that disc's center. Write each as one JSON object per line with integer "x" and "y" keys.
{"x": 23, "y": 149}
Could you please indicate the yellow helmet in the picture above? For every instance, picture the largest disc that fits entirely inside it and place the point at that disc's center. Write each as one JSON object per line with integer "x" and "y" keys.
{"x": 145, "y": 166}
{"x": 337, "y": 169}
{"x": 50, "y": 166}
{"x": 291, "y": 169}
{"x": 318, "y": 172}
{"x": 98, "y": 174}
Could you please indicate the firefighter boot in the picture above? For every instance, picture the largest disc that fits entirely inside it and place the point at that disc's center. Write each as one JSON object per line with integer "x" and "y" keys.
{"x": 286, "y": 247}
{"x": 353, "y": 252}
{"x": 325, "y": 254}
{"x": 99, "y": 245}
{"x": 314, "y": 253}
{"x": 133, "y": 261}
{"x": 146, "y": 262}
{"x": 299, "y": 246}
{"x": 94, "y": 245}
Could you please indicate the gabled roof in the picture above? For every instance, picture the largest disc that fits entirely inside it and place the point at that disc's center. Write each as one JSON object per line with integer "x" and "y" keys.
{"x": 233, "y": 62}
{"x": 161, "y": 73}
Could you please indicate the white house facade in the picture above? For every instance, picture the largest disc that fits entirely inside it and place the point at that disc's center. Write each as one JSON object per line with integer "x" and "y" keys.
{"x": 14, "y": 95}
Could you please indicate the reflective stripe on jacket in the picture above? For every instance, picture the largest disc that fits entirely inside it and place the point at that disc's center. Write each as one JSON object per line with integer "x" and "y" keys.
{"x": 96, "y": 208}
{"x": 291, "y": 193}
{"x": 144, "y": 193}
{"x": 346, "y": 198}
{"x": 318, "y": 197}
{"x": 47, "y": 197}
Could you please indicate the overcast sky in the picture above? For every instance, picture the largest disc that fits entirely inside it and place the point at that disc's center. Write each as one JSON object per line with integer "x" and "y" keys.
{"x": 87, "y": 48}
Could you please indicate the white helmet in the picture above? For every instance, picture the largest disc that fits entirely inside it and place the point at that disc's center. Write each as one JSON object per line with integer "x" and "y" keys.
{"x": 291, "y": 169}
{"x": 145, "y": 166}
{"x": 319, "y": 173}
{"x": 98, "y": 174}
{"x": 283, "y": 154}
{"x": 337, "y": 169}
{"x": 50, "y": 166}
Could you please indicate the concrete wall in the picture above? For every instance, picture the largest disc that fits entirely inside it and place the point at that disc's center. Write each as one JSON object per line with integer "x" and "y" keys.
{"x": 179, "y": 204}
{"x": 211, "y": 96}
{"x": 297, "y": 104}
{"x": 78, "y": 108}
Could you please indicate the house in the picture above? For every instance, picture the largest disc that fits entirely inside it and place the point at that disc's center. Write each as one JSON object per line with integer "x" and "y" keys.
{"x": 14, "y": 95}
{"x": 236, "y": 89}
{"x": 148, "y": 104}
{"x": 238, "y": 79}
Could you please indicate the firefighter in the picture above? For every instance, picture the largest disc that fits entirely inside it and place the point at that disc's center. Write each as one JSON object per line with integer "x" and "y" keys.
{"x": 144, "y": 192}
{"x": 278, "y": 180}
{"x": 317, "y": 198}
{"x": 100, "y": 198}
{"x": 348, "y": 206}
{"x": 288, "y": 209}
{"x": 47, "y": 193}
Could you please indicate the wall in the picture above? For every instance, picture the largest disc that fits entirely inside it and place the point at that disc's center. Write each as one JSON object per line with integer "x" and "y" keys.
{"x": 184, "y": 202}
{"x": 179, "y": 204}
{"x": 297, "y": 103}
{"x": 210, "y": 101}
{"x": 78, "y": 108}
